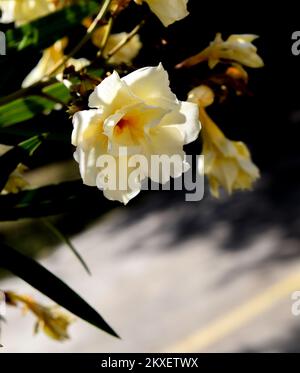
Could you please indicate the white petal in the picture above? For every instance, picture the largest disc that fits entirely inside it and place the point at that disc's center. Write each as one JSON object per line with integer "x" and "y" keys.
{"x": 141, "y": 118}
{"x": 169, "y": 11}
{"x": 186, "y": 120}
{"x": 41, "y": 69}
{"x": 123, "y": 195}
{"x": 87, "y": 164}
{"x": 166, "y": 142}
{"x": 78, "y": 63}
{"x": 51, "y": 56}
{"x": 111, "y": 94}
{"x": 82, "y": 120}
{"x": 249, "y": 38}
{"x": 8, "y": 11}
{"x": 88, "y": 136}
{"x": 192, "y": 125}
{"x": 151, "y": 84}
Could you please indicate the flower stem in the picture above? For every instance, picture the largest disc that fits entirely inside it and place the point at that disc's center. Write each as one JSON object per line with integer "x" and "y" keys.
{"x": 125, "y": 40}
{"x": 47, "y": 80}
{"x": 106, "y": 36}
{"x": 23, "y": 92}
{"x": 85, "y": 39}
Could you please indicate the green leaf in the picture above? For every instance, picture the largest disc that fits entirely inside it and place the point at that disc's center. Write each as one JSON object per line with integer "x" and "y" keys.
{"x": 67, "y": 241}
{"x": 50, "y": 285}
{"x": 52, "y": 200}
{"x": 19, "y": 154}
{"x": 43, "y": 32}
{"x": 26, "y": 108}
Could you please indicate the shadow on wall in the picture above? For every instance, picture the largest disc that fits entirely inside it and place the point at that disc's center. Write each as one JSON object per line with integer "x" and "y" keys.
{"x": 274, "y": 204}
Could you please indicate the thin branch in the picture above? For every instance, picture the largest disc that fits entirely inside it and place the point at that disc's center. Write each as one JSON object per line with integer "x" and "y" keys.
{"x": 125, "y": 40}
{"x": 23, "y": 92}
{"x": 85, "y": 39}
{"x": 105, "y": 38}
{"x": 48, "y": 79}
{"x": 52, "y": 98}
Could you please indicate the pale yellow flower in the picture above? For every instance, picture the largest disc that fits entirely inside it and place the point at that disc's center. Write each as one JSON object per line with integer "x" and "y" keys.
{"x": 126, "y": 54}
{"x": 24, "y": 11}
{"x": 237, "y": 48}
{"x": 51, "y": 320}
{"x": 227, "y": 163}
{"x": 16, "y": 182}
{"x": 51, "y": 57}
{"x": 139, "y": 113}
{"x": 168, "y": 11}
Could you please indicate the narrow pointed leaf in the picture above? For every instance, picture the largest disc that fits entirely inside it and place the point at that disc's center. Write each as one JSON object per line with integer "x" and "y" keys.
{"x": 26, "y": 108}
{"x": 67, "y": 241}
{"x": 19, "y": 154}
{"x": 52, "y": 200}
{"x": 50, "y": 285}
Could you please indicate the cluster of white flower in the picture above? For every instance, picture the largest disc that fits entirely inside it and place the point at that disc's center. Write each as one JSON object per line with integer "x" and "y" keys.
{"x": 139, "y": 111}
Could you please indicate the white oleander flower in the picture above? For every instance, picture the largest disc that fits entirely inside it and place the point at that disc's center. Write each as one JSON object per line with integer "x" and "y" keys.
{"x": 25, "y": 11}
{"x": 168, "y": 11}
{"x": 138, "y": 113}
{"x": 237, "y": 49}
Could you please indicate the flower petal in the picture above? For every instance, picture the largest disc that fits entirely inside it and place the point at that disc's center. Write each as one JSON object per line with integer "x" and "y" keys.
{"x": 129, "y": 126}
{"x": 166, "y": 143}
{"x": 191, "y": 126}
{"x": 87, "y": 125}
{"x": 169, "y": 11}
{"x": 111, "y": 94}
{"x": 152, "y": 85}
{"x": 249, "y": 38}
{"x": 87, "y": 160}
{"x": 185, "y": 120}
{"x": 8, "y": 11}
{"x": 118, "y": 193}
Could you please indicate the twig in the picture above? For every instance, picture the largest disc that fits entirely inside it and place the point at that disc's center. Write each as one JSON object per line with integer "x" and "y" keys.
{"x": 105, "y": 38}
{"x": 23, "y": 92}
{"x": 48, "y": 79}
{"x": 52, "y": 98}
{"x": 125, "y": 40}
{"x": 85, "y": 39}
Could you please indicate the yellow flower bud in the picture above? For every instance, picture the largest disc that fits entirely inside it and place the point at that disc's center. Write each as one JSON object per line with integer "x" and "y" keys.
{"x": 202, "y": 96}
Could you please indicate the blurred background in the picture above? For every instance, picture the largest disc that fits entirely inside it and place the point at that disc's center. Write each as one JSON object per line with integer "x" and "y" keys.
{"x": 173, "y": 276}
